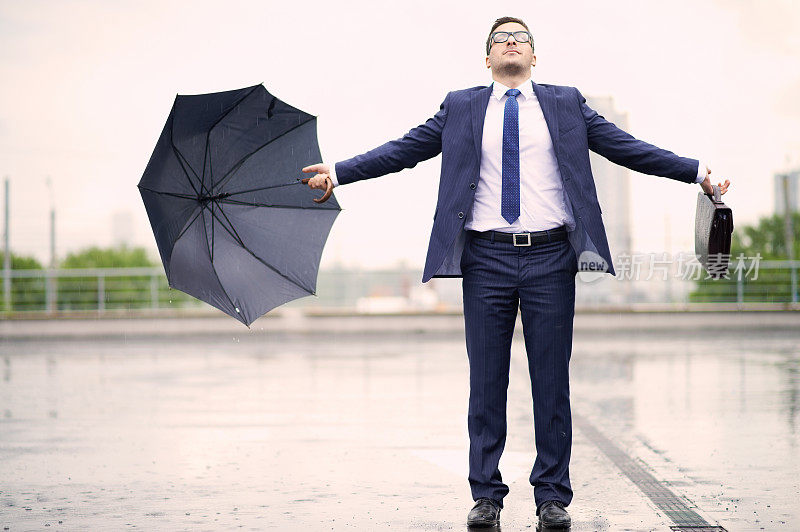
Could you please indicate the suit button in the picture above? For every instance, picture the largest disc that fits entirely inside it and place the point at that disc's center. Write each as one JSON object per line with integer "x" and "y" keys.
{"x": 472, "y": 186}
{"x": 461, "y": 215}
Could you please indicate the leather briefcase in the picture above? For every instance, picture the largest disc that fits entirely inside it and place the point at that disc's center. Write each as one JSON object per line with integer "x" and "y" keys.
{"x": 712, "y": 233}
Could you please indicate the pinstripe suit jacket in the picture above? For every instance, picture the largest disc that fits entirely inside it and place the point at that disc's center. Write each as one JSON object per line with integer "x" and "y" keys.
{"x": 456, "y": 131}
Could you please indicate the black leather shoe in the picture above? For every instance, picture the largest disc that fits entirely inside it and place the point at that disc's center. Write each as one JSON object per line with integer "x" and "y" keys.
{"x": 486, "y": 512}
{"x": 553, "y": 516}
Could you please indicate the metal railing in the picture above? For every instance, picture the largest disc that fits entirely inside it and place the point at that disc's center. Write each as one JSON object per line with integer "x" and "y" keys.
{"x": 773, "y": 281}
{"x": 103, "y": 290}
{"x": 92, "y": 289}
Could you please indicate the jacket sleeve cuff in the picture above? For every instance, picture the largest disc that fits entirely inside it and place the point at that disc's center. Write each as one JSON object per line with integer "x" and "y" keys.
{"x": 333, "y": 175}
{"x": 701, "y": 172}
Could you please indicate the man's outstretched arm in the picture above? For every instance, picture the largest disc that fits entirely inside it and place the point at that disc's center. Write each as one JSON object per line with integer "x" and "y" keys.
{"x": 421, "y": 143}
{"x": 622, "y": 148}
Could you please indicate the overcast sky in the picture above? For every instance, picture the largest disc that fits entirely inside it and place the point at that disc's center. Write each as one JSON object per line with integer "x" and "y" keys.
{"x": 87, "y": 85}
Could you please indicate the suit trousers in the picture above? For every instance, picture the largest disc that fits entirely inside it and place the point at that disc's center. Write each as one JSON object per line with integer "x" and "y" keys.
{"x": 499, "y": 279}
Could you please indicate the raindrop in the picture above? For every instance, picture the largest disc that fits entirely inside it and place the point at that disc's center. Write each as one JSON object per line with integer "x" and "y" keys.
{"x": 237, "y": 309}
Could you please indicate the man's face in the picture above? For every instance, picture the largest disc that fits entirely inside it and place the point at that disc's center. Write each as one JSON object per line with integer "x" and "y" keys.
{"x": 510, "y": 57}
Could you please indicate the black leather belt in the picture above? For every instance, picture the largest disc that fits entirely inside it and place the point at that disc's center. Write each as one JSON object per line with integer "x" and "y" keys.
{"x": 524, "y": 239}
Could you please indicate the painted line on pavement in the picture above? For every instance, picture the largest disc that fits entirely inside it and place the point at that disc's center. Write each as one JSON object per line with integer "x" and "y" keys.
{"x": 673, "y": 506}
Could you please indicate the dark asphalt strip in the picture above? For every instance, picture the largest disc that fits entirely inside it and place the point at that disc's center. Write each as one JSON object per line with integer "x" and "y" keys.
{"x": 683, "y": 517}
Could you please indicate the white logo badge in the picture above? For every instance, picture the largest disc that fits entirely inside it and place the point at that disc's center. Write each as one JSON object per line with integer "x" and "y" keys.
{"x": 591, "y": 267}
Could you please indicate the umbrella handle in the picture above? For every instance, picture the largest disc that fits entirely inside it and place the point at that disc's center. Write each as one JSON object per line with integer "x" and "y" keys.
{"x": 328, "y": 192}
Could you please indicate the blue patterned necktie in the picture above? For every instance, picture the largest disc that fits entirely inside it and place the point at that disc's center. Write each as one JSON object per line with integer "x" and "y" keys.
{"x": 509, "y": 204}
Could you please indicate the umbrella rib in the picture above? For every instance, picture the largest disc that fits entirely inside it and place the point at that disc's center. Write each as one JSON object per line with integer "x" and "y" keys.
{"x": 240, "y": 100}
{"x": 227, "y": 177}
{"x": 174, "y": 194}
{"x": 187, "y": 226}
{"x": 213, "y": 269}
{"x": 234, "y": 234}
{"x": 259, "y": 259}
{"x": 274, "y": 206}
{"x": 180, "y": 161}
{"x": 206, "y": 157}
{"x": 184, "y": 163}
{"x": 210, "y": 129}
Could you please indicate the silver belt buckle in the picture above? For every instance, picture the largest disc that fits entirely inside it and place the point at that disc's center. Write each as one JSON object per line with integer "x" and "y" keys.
{"x": 516, "y": 242}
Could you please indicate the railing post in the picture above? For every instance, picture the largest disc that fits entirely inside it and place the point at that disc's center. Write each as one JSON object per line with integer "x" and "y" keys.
{"x": 101, "y": 292}
{"x": 739, "y": 288}
{"x": 55, "y": 291}
{"x": 153, "y": 292}
{"x": 793, "y": 267}
{"x": 48, "y": 290}
{"x": 7, "y": 303}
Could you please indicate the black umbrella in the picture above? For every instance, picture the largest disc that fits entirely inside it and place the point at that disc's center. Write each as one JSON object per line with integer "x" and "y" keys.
{"x": 234, "y": 225}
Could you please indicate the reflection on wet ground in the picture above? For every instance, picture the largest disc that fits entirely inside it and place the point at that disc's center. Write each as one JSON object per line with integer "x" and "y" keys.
{"x": 350, "y": 432}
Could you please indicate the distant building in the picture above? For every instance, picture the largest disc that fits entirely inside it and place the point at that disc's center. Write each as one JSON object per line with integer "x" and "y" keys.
{"x": 794, "y": 190}
{"x": 613, "y": 184}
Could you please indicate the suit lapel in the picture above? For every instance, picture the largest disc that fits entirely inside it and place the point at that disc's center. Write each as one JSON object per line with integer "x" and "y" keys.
{"x": 480, "y": 99}
{"x": 547, "y": 101}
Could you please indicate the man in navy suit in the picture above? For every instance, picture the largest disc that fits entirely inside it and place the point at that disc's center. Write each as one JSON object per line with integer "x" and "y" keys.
{"x": 517, "y": 217}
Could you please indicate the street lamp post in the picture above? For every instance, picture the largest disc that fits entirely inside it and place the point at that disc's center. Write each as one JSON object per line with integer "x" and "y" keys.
{"x": 6, "y": 257}
{"x": 50, "y": 286}
{"x": 788, "y": 232}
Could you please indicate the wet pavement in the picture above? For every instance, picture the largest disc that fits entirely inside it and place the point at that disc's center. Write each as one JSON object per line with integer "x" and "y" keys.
{"x": 357, "y": 424}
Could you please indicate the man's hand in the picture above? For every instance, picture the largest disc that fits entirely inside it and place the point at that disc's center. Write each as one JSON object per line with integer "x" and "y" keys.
{"x": 708, "y": 188}
{"x": 321, "y": 181}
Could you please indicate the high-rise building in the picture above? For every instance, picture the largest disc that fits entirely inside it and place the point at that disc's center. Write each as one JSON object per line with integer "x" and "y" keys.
{"x": 793, "y": 185}
{"x": 614, "y": 194}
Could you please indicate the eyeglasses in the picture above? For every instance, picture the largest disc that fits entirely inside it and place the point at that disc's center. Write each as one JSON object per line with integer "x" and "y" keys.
{"x": 502, "y": 36}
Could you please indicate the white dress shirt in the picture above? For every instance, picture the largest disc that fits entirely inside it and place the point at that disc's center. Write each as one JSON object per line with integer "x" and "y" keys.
{"x": 543, "y": 202}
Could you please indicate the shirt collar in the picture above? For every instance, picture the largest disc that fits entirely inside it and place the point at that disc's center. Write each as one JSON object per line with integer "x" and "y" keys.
{"x": 526, "y": 88}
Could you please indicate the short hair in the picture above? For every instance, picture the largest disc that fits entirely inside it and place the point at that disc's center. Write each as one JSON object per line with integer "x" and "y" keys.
{"x": 501, "y": 21}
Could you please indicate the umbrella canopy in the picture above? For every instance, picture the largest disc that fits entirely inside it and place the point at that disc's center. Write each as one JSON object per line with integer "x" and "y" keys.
{"x": 234, "y": 225}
